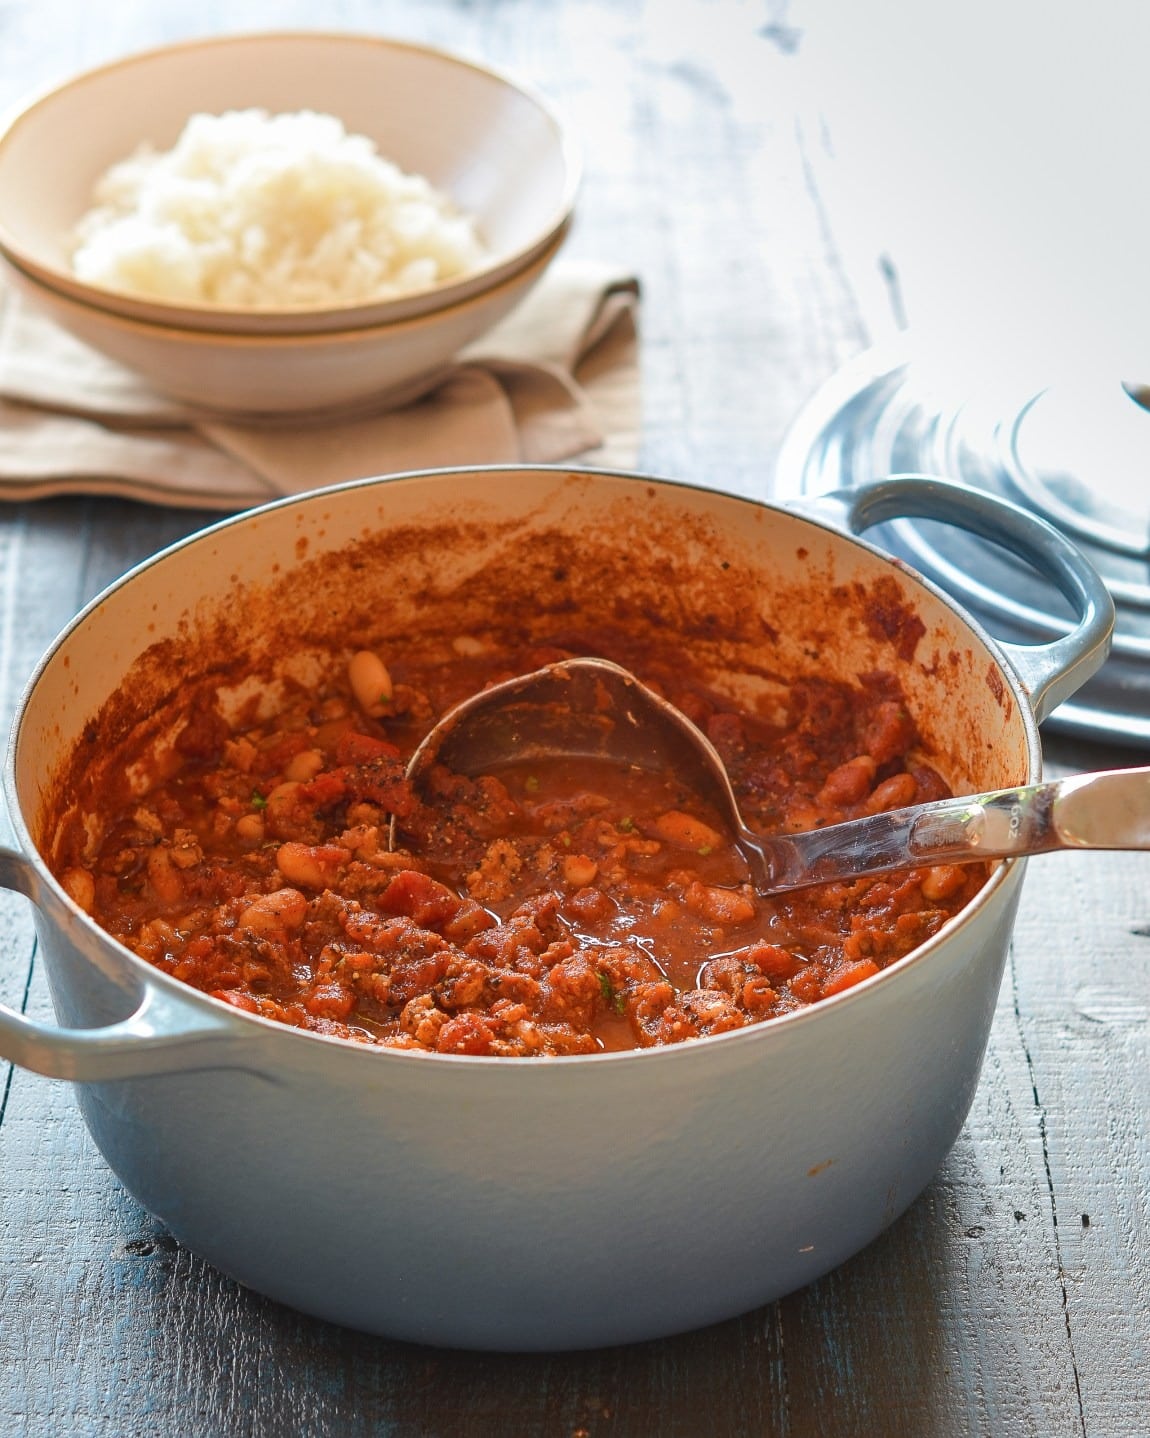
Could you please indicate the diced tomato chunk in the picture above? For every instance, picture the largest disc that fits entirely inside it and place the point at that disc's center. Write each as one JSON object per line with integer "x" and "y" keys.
{"x": 331, "y": 1001}
{"x": 237, "y": 998}
{"x": 430, "y": 903}
{"x": 464, "y": 1034}
{"x": 848, "y": 976}
{"x": 325, "y": 789}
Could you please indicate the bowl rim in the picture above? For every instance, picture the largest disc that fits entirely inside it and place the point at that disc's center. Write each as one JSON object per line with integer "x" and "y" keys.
{"x": 1006, "y": 875}
{"x": 293, "y": 339}
{"x": 427, "y": 300}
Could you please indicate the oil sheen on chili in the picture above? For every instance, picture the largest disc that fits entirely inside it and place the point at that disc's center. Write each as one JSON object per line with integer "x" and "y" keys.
{"x": 545, "y": 909}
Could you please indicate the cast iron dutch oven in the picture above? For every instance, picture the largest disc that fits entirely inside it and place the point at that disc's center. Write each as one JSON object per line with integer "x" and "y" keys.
{"x": 520, "y": 1203}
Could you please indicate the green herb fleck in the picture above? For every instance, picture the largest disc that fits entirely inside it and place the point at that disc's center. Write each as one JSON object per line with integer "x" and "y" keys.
{"x": 705, "y": 849}
{"x": 531, "y": 784}
{"x": 627, "y": 824}
{"x": 258, "y": 800}
{"x": 611, "y": 995}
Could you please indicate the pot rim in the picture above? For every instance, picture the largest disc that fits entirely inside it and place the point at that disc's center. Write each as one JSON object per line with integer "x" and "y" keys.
{"x": 151, "y": 978}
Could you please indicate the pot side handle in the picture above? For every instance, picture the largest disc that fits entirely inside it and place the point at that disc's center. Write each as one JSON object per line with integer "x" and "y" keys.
{"x": 164, "y": 1035}
{"x": 1049, "y": 672}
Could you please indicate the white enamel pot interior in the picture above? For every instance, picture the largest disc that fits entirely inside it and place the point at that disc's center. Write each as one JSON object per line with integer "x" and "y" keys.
{"x": 535, "y": 1204}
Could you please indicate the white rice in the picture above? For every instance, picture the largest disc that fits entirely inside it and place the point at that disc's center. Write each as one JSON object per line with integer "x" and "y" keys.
{"x": 261, "y": 211}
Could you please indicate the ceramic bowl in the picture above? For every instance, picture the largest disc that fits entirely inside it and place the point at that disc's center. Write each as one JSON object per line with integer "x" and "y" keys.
{"x": 269, "y": 375}
{"x": 493, "y": 145}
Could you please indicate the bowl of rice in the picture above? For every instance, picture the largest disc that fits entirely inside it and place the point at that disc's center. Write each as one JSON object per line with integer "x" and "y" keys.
{"x": 284, "y": 182}
{"x": 319, "y": 375}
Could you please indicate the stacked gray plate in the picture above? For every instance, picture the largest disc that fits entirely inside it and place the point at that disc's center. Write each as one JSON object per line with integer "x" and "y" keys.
{"x": 1079, "y": 458}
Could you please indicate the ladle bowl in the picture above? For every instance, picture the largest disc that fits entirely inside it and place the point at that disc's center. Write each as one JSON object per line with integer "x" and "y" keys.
{"x": 589, "y": 708}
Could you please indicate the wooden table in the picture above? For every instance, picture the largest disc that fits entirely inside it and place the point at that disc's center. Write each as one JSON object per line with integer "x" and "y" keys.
{"x": 1014, "y": 1297}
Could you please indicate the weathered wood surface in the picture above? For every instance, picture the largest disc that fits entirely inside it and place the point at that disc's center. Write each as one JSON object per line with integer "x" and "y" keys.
{"x": 1014, "y": 1297}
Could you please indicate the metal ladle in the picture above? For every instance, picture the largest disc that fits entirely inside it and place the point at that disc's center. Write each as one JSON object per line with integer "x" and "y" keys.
{"x": 594, "y": 709}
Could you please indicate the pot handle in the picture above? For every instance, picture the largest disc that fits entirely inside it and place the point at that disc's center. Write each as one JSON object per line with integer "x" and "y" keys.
{"x": 1049, "y": 672}
{"x": 166, "y": 1034}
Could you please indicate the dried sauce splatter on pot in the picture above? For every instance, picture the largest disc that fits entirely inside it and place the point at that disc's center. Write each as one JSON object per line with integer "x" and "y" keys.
{"x": 541, "y": 911}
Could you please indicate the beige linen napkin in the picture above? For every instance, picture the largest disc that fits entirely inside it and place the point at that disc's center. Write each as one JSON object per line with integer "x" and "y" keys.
{"x": 555, "y": 381}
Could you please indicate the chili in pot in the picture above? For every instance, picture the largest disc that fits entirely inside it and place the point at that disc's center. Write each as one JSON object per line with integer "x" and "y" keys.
{"x": 551, "y": 908}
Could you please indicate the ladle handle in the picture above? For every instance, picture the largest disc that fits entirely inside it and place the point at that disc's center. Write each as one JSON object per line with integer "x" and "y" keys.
{"x": 1108, "y": 810}
{"x": 1049, "y": 672}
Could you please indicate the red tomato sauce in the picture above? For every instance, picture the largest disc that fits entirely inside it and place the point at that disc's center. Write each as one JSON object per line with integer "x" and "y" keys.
{"x": 542, "y": 910}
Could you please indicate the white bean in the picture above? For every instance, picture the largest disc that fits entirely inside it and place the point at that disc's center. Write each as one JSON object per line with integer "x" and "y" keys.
{"x": 81, "y": 887}
{"x": 311, "y": 866}
{"x": 370, "y": 682}
{"x": 468, "y": 645}
{"x": 250, "y": 828}
{"x": 281, "y": 801}
{"x": 305, "y": 766}
{"x": 579, "y": 870}
{"x": 164, "y": 877}
{"x": 285, "y": 909}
